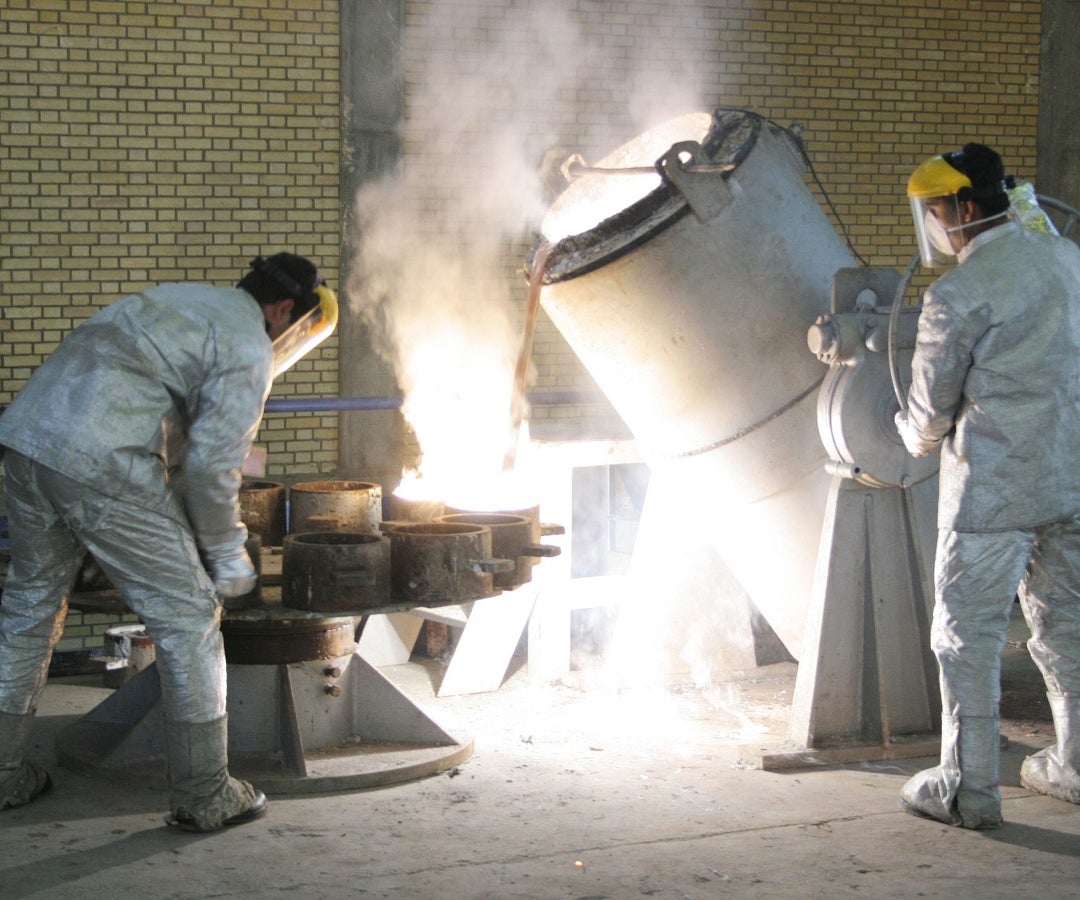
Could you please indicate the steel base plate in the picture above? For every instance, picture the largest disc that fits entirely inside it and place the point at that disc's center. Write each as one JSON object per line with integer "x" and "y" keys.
{"x": 298, "y": 728}
{"x": 899, "y": 747}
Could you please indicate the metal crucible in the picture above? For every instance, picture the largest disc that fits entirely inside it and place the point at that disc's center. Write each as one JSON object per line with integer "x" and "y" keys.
{"x": 335, "y": 571}
{"x": 262, "y": 510}
{"x": 512, "y": 537}
{"x": 354, "y": 506}
{"x": 441, "y": 563}
{"x": 532, "y": 513}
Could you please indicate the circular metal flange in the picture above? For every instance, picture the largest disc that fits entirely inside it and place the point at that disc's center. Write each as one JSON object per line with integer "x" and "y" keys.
{"x": 286, "y": 636}
{"x": 856, "y": 411}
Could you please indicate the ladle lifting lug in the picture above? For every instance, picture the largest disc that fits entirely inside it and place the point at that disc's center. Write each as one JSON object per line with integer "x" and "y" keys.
{"x": 687, "y": 166}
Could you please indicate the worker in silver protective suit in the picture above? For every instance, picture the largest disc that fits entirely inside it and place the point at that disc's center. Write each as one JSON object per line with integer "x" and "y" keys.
{"x": 91, "y": 452}
{"x": 996, "y": 388}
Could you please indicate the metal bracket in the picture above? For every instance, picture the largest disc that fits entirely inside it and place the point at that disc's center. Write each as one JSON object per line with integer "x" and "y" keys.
{"x": 697, "y": 178}
{"x": 850, "y": 285}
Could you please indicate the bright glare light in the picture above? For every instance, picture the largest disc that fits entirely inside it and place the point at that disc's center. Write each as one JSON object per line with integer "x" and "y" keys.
{"x": 457, "y": 401}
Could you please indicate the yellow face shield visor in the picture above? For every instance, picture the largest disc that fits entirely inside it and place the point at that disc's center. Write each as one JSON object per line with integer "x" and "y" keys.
{"x": 929, "y": 188}
{"x": 307, "y": 332}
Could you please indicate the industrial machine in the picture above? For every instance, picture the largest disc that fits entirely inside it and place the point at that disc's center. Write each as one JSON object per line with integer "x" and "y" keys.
{"x": 688, "y": 294}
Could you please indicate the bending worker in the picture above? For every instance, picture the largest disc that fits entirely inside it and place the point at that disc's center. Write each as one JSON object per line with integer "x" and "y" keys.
{"x": 996, "y": 387}
{"x": 128, "y": 442}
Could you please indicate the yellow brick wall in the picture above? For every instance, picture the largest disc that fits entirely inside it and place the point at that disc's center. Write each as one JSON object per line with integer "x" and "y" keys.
{"x": 152, "y": 142}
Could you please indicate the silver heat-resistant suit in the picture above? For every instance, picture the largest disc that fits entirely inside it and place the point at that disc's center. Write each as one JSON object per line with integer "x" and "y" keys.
{"x": 128, "y": 442}
{"x": 996, "y": 386}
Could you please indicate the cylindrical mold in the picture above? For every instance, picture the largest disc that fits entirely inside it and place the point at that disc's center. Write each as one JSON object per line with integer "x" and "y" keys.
{"x": 284, "y": 638}
{"x": 532, "y": 513}
{"x": 335, "y": 572}
{"x": 690, "y": 305}
{"x": 405, "y": 509}
{"x": 354, "y": 506}
{"x": 511, "y": 538}
{"x": 262, "y": 510}
{"x": 439, "y": 563}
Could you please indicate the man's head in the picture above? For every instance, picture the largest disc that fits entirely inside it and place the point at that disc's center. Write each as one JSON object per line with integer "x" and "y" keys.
{"x": 284, "y": 286}
{"x": 956, "y": 196}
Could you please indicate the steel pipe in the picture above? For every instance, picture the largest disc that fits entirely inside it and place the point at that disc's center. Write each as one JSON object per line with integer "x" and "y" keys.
{"x": 350, "y": 404}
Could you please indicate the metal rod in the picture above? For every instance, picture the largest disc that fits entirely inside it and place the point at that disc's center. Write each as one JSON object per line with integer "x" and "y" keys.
{"x": 575, "y": 171}
{"x": 350, "y": 404}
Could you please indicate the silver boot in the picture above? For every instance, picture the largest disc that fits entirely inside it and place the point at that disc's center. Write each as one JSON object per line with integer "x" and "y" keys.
{"x": 1054, "y": 771}
{"x": 964, "y": 789}
{"x": 20, "y": 779}
{"x": 202, "y": 794}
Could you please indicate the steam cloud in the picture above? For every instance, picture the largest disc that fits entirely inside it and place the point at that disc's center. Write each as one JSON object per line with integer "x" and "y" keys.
{"x": 440, "y": 238}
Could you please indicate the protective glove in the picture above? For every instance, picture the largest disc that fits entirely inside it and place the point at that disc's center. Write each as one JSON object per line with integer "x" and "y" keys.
{"x": 231, "y": 567}
{"x": 915, "y": 445}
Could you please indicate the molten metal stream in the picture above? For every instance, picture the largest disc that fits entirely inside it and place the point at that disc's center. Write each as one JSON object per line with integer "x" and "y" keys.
{"x": 518, "y": 402}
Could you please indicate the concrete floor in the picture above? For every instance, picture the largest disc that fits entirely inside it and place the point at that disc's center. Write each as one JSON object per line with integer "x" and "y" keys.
{"x": 571, "y": 792}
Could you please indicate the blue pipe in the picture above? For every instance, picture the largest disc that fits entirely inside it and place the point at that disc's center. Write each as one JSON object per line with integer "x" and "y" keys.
{"x": 349, "y": 404}
{"x": 330, "y": 404}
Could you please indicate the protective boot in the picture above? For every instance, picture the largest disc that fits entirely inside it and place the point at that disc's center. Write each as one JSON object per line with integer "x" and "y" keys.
{"x": 20, "y": 779}
{"x": 202, "y": 794}
{"x": 1055, "y": 771}
{"x": 963, "y": 790}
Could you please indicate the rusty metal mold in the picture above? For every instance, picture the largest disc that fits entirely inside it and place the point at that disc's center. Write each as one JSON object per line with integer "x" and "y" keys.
{"x": 440, "y": 563}
{"x": 276, "y": 637}
{"x": 403, "y": 509}
{"x": 512, "y": 537}
{"x": 262, "y": 510}
{"x": 532, "y": 513}
{"x": 335, "y": 571}
{"x": 335, "y": 506}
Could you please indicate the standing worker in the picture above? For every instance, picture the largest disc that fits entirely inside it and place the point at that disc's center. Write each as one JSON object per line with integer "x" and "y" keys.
{"x": 996, "y": 387}
{"x": 128, "y": 442}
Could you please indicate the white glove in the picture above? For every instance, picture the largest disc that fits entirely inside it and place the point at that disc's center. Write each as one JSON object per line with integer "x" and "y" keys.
{"x": 915, "y": 445}
{"x": 232, "y": 569}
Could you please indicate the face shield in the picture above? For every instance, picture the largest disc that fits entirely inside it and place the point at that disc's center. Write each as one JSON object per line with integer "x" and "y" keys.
{"x": 936, "y": 220}
{"x": 932, "y": 190}
{"x": 307, "y": 332}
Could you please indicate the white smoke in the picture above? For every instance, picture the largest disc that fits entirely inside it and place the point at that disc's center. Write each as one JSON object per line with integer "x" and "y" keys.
{"x": 441, "y": 240}
{"x": 434, "y": 271}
